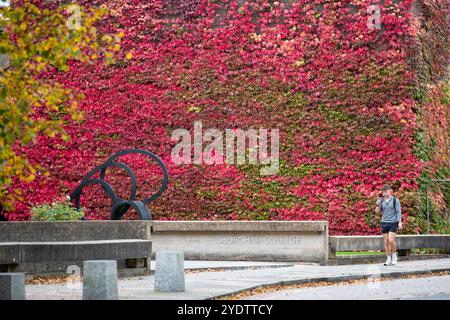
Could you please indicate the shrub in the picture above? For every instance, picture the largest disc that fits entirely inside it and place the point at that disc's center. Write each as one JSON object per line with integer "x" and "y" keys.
{"x": 57, "y": 211}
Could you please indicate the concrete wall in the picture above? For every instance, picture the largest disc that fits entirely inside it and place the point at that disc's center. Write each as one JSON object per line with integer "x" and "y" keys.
{"x": 305, "y": 241}
{"x": 355, "y": 243}
{"x": 73, "y": 230}
{"x": 403, "y": 242}
{"x": 25, "y": 244}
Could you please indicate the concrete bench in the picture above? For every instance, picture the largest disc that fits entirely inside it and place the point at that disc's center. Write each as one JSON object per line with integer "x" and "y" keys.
{"x": 29, "y": 246}
{"x": 404, "y": 243}
{"x": 244, "y": 240}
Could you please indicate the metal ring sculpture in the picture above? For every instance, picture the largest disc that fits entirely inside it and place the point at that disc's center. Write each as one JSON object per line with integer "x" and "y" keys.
{"x": 121, "y": 206}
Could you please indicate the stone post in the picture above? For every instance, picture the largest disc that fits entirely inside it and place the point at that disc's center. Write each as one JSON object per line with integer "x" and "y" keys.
{"x": 169, "y": 271}
{"x": 100, "y": 280}
{"x": 12, "y": 286}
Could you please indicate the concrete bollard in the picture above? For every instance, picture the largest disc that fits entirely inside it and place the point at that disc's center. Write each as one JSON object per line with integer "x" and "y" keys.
{"x": 12, "y": 286}
{"x": 100, "y": 280}
{"x": 169, "y": 271}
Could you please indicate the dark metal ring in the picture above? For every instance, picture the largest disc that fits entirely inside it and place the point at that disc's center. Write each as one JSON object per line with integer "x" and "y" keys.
{"x": 154, "y": 157}
{"x": 121, "y": 206}
{"x": 79, "y": 190}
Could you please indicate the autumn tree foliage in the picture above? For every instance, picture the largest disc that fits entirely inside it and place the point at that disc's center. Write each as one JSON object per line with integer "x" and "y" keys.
{"x": 356, "y": 107}
{"x": 36, "y": 42}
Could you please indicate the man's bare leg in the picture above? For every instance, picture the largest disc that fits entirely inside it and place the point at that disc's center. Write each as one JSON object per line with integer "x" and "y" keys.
{"x": 387, "y": 246}
{"x": 393, "y": 247}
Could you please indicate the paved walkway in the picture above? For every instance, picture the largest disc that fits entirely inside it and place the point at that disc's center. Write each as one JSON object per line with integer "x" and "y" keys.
{"x": 436, "y": 288}
{"x": 207, "y": 285}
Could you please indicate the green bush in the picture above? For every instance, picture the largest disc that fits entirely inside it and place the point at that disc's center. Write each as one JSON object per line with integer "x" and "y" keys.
{"x": 57, "y": 211}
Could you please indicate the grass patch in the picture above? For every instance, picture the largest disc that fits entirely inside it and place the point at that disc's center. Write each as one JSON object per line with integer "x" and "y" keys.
{"x": 347, "y": 253}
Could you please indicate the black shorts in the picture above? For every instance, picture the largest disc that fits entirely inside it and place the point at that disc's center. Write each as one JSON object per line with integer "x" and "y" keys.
{"x": 389, "y": 227}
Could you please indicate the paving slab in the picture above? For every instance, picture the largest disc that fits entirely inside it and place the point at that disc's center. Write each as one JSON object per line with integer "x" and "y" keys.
{"x": 231, "y": 265}
{"x": 208, "y": 285}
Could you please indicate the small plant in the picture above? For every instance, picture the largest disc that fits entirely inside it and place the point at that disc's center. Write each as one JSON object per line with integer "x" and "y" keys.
{"x": 57, "y": 211}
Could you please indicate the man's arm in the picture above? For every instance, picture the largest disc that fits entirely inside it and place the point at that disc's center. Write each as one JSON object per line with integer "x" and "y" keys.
{"x": 398, "y": 210}
{"x": 377, "y": 207}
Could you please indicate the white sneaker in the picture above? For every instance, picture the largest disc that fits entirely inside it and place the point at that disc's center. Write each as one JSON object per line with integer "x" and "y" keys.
{"x": 394, "y": 258}
{"x": 388, "y": 261}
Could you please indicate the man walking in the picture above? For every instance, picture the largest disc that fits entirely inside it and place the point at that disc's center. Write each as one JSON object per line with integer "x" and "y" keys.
{"x": 391, "y": 221}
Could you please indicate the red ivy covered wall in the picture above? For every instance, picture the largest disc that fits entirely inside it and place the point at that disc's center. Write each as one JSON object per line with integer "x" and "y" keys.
{"x": 353, "y": 105}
